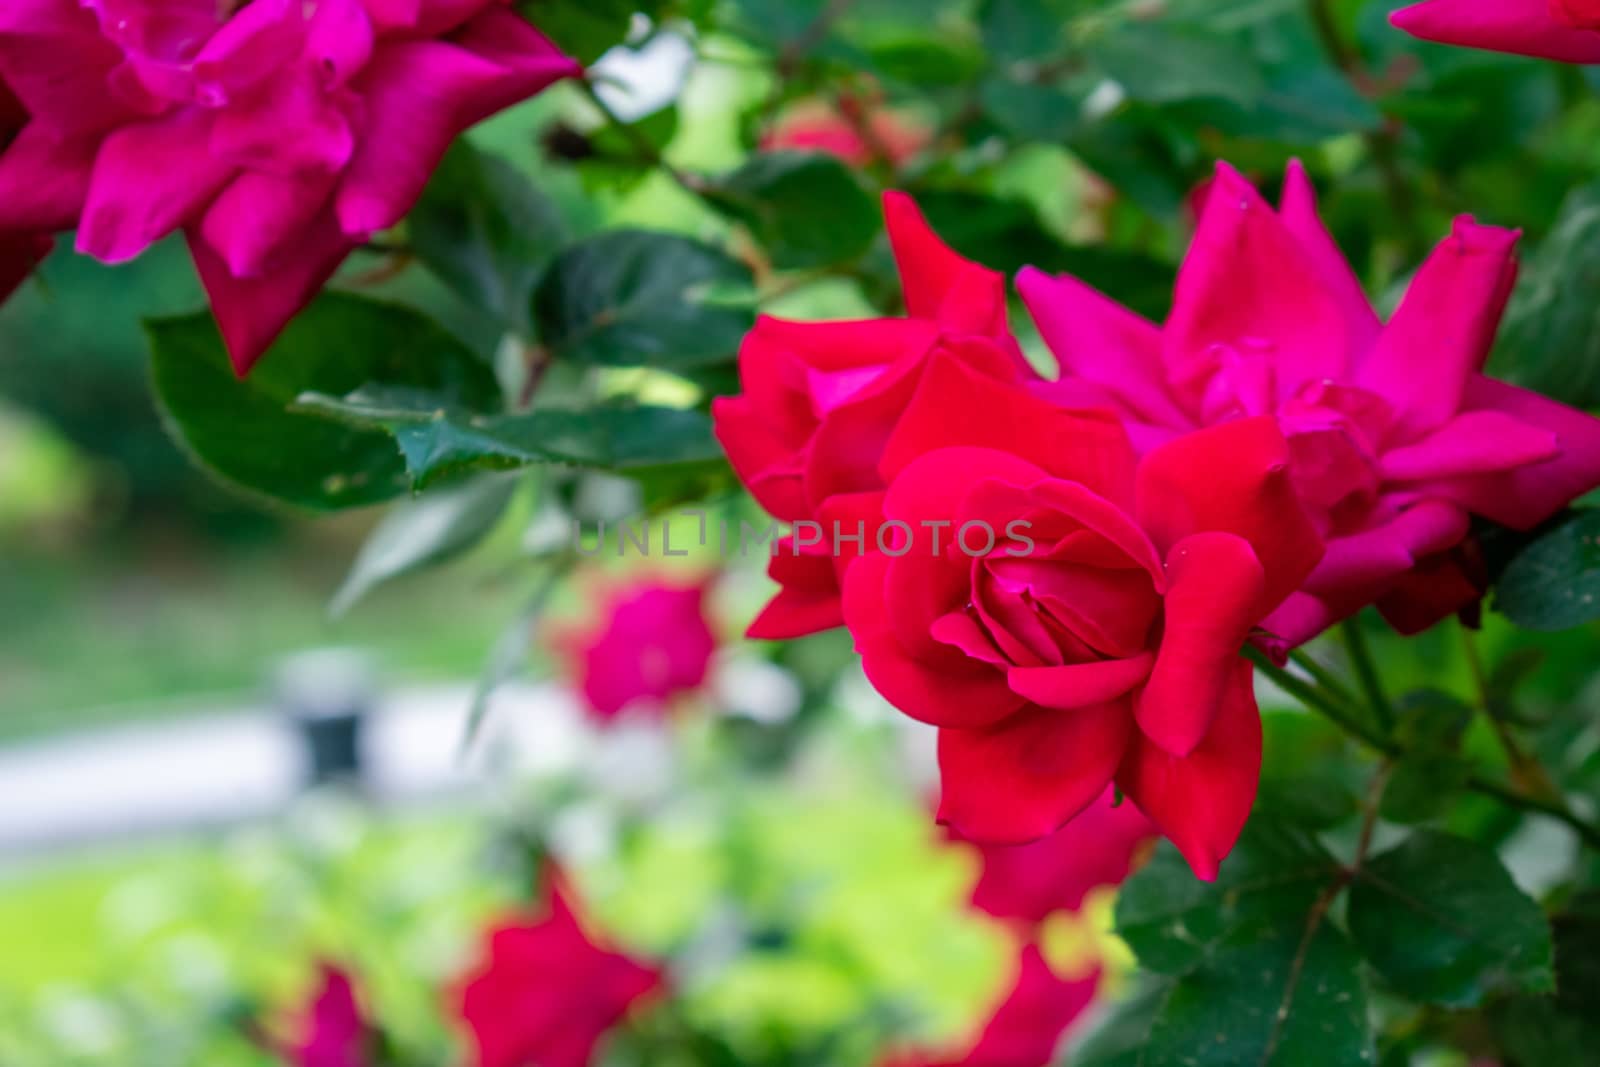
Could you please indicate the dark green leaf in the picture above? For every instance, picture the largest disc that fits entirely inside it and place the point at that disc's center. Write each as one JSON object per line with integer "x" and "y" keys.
{"x": 1440, "y": 918}
{"x": 1564, "y": 1028}
{"x": 425, "y": 531}
{"x": 243, "y": 429}
{"x": 807, "y": 209}
{"x": 1551, "y": 338}
{"x": 1554, "y": 584}
{"x": 1270, "y": 994}
{"x": 1023, "y": 29}
{"x": 1171, "y": 919}
{"x": 636, "y": 298}
{"x": 486, "y": 231}
{"x": 438, "y": 440}
{"x": 1159, "y": 64}
{"x": 586, "y": 29}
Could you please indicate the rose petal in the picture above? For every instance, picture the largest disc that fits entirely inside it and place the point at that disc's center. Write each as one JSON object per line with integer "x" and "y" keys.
{"x": 1080, "y": 684}
{"x": 149, "y": 179}
{"x": 1440, "y": 335}
{"x": 1201, "y": 801}
{"x": 940, "y": 285}
{"x": 1523, "y": 27}
{"x": 1211, "y": 607}
{"x": 1029, "y": 774}
{"x": 1094, "y": 337}
{"x": 1233, "y": 478}
{"x": 1247, "y": 282}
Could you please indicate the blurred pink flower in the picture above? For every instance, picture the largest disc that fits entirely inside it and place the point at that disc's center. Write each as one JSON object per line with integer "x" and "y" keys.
{"x": 545, "y": 993}
{"x": 650, "y": 640}
{"x": 1097, "y": 848}
{"x": 1551, "y": 29}
{"x": 1396, "y": 437}
{"x": 278, "y": 135}
{"x": 333, "y": 1031}
{"x": 857, "y": 132}
{"x": 1027, "y": 1026}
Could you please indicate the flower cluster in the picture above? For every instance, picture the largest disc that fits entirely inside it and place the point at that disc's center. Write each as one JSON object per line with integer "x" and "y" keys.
{"x": 1270, "y": 460}
{"x": 278, "y": 135}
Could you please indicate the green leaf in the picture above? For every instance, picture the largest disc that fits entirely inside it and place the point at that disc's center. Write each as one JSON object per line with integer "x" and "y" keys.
{"x": 1262, "y": 975}
{"x": 631, "y": 298}
{"x": 418, "y": 533}
{"x": 1171, "y": 919}
{"x": 586, "y": 29}
{"x": 1551, "y": 337}
{"x": 1023, "y": 29}
{"x": 1270, "y": 994}
{"x": 486, "y": 232}
{"x": 807, "y": 209}
{"x": 1564, "y": 1028}
{"x": 1158, "y": 64}
{"x": 244, "y": 430}
{"x": 1554, "y": 583}
{"x": 1440, "y": 918}
{"x": 438, "y": 440}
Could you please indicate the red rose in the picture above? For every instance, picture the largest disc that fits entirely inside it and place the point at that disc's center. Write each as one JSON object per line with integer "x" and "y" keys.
{"x": 546, "y": 993}
{"x": 1101, "y": 646}
{"x": 821, "y": 398}
{"x": 1033, "y": 881}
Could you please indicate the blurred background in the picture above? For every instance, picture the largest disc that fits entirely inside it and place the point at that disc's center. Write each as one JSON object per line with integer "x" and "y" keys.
{"x": 231, "y": 747}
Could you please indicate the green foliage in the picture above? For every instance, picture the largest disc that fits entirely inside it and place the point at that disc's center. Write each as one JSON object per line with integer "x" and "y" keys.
{"x": 1442, "y": 921}
{"x": 1554, "y": 583}
{"x": 807, "y": 209}
{"x": 243, "y": 430}
{"x": 629, "y": 298}
{"x": 1258, "y": 972}
{"x": 486, "y": 231}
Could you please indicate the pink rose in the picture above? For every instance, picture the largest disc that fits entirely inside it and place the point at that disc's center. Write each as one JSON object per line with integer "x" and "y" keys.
{"x": 545, "y": 993}
{"x": 650, "y": 641}
{"x": 1100, "y": 640}
{"x": 1027, "y": 1026}
{"x": 278, "y": 135}
{"x": 821, "y": 398}
{"x": 1551, "y": 29}
{"x": 1031, "y": 882}
{"x": 1396, "y": 438}
{"x": 333, "y": 1032}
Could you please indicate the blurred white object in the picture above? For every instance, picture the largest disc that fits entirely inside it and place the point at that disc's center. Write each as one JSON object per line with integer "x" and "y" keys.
{"x": 755, "y": 688}
{"x": 635, "y": 82}
{"x": 248, "y": 764}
